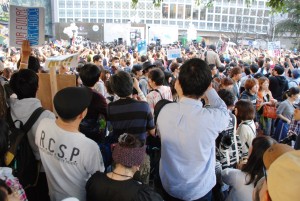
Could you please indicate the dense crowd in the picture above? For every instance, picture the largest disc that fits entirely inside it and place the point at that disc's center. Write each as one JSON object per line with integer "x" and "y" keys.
{"x": 220, "y": 122}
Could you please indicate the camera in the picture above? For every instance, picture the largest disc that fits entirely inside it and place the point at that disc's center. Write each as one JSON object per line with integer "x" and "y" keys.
{"x": 226, "y": 142}
{"x": 289, "y": 139}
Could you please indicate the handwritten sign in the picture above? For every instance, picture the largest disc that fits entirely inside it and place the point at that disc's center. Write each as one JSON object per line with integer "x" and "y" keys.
{"x": 173, "y": 53}
{"x": 26, "y": 23}
{"x": 274, "y": 48}
{"x": 65, "y": 60}
{"x": 142, "y": 47}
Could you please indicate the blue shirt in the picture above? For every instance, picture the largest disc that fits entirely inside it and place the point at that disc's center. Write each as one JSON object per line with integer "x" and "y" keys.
{"x": 188, "y": 132}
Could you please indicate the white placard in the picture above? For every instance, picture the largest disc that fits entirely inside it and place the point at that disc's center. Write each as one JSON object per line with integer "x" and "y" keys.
{"x": 173, "y": 54}
{"x": 26, "y": 23}
{"x": 70, "y": 60}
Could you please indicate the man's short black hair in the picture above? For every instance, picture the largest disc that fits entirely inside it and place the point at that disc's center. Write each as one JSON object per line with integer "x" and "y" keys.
{"x": 194, "y": 77}
{"x": 24, "y": 83}
{"x": 254, "y": 68}
{"x": 279, "y": 69}
{"x": 157, "y": 76}
{"x": 121, "y": 84}
{"x": 96, "y": 58}
{"x": 89, "y": 74}
{"x": 33, "y": 64}
{"x": 227, "y": 96}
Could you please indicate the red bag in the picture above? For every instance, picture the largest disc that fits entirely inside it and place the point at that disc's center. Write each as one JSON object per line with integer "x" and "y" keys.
{"x": 269, "y": 111}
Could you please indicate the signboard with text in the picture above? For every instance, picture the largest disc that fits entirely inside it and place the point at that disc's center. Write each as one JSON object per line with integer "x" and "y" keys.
{"x": 274, "y": 48}
{"x": 173, "y": 53}
{"x": 70, "y": 60}
{"x": 26, "y": 23}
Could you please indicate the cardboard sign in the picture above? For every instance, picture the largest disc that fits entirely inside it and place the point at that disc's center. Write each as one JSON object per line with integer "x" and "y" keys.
{"x": 26, "y": 23}
{"x": 70, "y": 60}
{"x": 173, "y": 53}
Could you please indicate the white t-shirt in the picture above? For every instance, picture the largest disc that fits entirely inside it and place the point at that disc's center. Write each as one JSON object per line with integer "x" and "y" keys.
{"x": 69, "y": 160}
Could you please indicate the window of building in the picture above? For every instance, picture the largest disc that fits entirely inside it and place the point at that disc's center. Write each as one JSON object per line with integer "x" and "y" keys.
{"x": 180, "y": 23}
{"x": 109, "y": 13}
{"x": 195, "y": 24}
{"x": 77, "y": 13}
{"x": 265, "y": 29}
{"x": 202, "y": 25}
{"x": 254, "y": 3}
{"x": 187, "y": 25}
{"x": 267, "y": 13}
{"x": 217, "y": 26}
{"x": 164, "y": 22}
{"x": 172, "y": 22}
{"x": 133, "y": 13}
{"x": 93, "y": 4}
{"x": 141, "y": 14}
{"x": 149, "y": 6}
{"x": 231, "y": 18}
{"x": 85, "y": 4}
{"x": 125, "y": 13}
{"x": 232, "y": 2}
{"x": 180, "y": 11}
{"x": 224, "y": 18}
{"x": 225, "y": 10}
{"x": 209, "y": 25}
{"x": 117, "y": 13}
{"x": 245, "y": 28}
{"x": 109, "y": 21}
{"x": 231, "y": 27}
{"x": 70, "y": 13}
{"x": 195, "y": 13}
{"x": 149, "y": 22}
{"x": 156, "y": 21}
{"x": 109, "y": 4}
{"x": 93, "y": 20}
{"x": 246, "y": 20}
{"x": 165, "y": 10}
{"x": 157, "y": 15}
{"x": 101, "y": 13}
{"x": 240, "y": 2}
{"x": 77, "y": 4}
{"x": 125, "y": 5}
{"x": 149, "y": 14}
{"x": 261, "y": 3}
{"x": 62, "y": 13}
{"x": 217, "y": 18}
{"x": 117, "y": 5}
{"x": 239, "y": 11}
{"x": 61, "y": 3}
{"x": 252, "y": 20}
{"x": 125, "y": 21}
{"x": 251, "y": 28}
{"x": 203, "y": 14}
{"x": 210, "y": 10}
{"x": 246, "y": 11}
{"x": 232, "y": 11}
{"x": 85, "y": 13}
{"x": 253, "y": 12}
{"x": 224, "y": 27}
{"x": 141, "y": 5}
{"x": 69, "y": 4}
{"x": 265, "y": 21}
{"x": 258, "y": 28}
{"x": 210, "y": 18}
{"x": 188, "y": 12}
{"x": 218, "y": 10}
{"x": 258, "y": 20}
{"x": 172, "y": 11}
{"x": 259, "y": 13}
{"x": 101, "y": 20}
{"x": 101, "y": 4}
{"x": 70, "y": 20}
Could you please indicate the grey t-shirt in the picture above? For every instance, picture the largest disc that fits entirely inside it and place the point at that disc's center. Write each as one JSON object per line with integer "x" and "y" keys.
{"x": 286, "y": 109}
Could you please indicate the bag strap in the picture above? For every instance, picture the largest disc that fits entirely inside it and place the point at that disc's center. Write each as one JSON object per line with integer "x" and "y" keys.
{"x": 159, "y": 93}
{"x": 32, "y": 119}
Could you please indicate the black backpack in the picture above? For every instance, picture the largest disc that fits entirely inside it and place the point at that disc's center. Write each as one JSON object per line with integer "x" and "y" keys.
{"x": 20, "y": 156}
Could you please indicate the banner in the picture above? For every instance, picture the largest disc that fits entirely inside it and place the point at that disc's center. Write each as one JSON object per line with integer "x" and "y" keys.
{"x": 274, "y": 48}
{"x": 70, "y": 60}
{"x": 142, "y": 47}
{"x": 26, "y": 23}
{"x": 173, "y": 54}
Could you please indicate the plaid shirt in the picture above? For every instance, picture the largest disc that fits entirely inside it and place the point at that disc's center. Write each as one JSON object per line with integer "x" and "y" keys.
{"x": 294, "y": 127}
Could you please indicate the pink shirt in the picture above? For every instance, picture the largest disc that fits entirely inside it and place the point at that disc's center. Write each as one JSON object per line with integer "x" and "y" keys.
{"x": 153, "y": 97}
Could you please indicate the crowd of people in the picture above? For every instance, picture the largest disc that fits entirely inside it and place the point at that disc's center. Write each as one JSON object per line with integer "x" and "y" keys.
{"x": 228, "y": 128}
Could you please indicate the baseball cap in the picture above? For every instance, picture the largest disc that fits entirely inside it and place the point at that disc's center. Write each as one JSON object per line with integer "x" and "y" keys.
{"x": 283, "y": 170}
{"x": 71, "y": 101}
{"x": 147, "y": 65}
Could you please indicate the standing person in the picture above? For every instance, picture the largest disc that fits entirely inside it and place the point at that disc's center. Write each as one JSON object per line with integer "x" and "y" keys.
{"x": 236, "y": 75}
{"x": 251, "y": 89}
{"x": 68, "y": 156}
{"x": 128, "y": 154}
{"x": 285, "y": 113}
{"x": 25, "y": 84}
{"x": 264, "y": 97}
{"x": 211, "y": 57}
{"x": 188, "y": 174}
{"x": 245, "y": 112}
{"x": 278, "y": 83}
{"x": 158, "y": 91}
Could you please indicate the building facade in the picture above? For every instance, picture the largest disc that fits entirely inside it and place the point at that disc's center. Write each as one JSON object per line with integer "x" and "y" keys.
{"x": 224, "y": 16}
